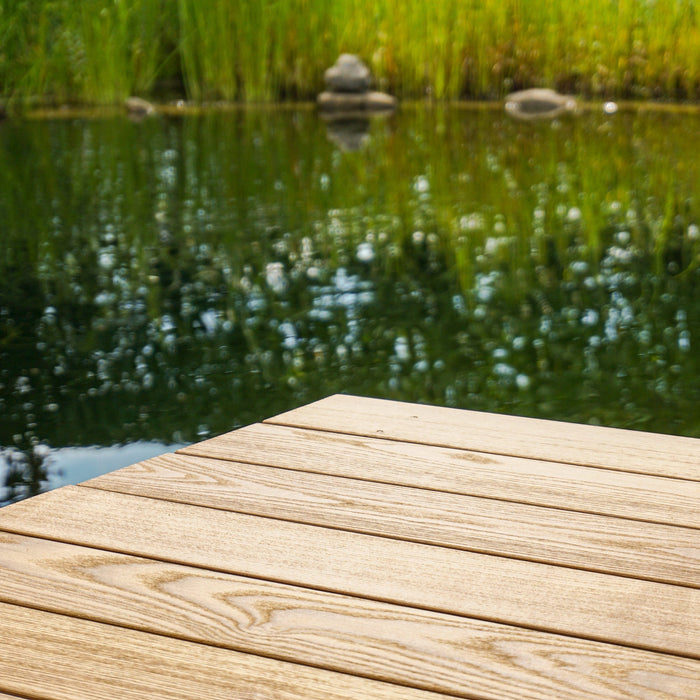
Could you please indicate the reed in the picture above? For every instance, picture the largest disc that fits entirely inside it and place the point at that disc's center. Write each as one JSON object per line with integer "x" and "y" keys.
{"x": 260, "y": 50}
{"x": 93, "y": 51}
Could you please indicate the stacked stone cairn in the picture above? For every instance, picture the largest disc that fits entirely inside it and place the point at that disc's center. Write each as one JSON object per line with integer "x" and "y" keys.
{"x": 348, "y": 89}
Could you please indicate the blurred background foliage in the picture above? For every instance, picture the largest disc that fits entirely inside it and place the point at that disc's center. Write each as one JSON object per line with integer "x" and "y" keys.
{"x": 101, "y": 51}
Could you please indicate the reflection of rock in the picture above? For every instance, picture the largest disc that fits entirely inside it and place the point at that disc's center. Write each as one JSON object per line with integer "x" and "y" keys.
{"x": 3, "y": 112}
{"x": 348, "y": 130}
{"x": 539, "y": 103}
{"x": 138, "y": 107}
{"x": 348, "y": 84}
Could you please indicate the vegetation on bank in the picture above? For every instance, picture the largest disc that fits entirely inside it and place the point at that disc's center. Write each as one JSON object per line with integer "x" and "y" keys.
{"x": 101, "y": 51}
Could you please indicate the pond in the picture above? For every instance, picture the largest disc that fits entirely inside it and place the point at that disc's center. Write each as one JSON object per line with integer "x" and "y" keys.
{"x": 166, "y": 280}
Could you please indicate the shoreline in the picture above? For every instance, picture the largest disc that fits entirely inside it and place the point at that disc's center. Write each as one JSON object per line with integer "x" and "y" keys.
{"x": 181, "y": 108}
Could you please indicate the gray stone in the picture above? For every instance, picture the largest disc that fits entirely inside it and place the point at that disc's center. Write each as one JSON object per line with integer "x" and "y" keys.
{"x": 539, "y": 103}
{"x": 138, "y": 106}
{"x": 356, "y": 102}
{"x": 349, "y": 74}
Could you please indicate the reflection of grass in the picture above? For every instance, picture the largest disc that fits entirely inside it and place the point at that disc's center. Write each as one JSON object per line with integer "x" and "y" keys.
{"x": 461, "y": 187}
{"x": 102, "y": 50}
{"x": 454, "y": 188}
{"x": 531, "y": 268}
{"x": 26, "y": 472}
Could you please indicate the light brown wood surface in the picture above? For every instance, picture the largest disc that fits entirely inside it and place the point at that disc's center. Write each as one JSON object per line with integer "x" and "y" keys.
{"x": 549, "y": 535}
{"x": 536, "y": 482}
{"x": 657, "y": 616}
{"x": 366, "y": 549}
{"x": 609, "y": 448}
{"x": 59, "y": 657}
{"x": 360, "y": 637}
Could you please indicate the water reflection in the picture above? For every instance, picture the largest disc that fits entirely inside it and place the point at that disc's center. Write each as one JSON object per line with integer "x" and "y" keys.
{"x": 176, "y": 278}
{"x": 350, "y": 132}
{"x": 47, "y": 468}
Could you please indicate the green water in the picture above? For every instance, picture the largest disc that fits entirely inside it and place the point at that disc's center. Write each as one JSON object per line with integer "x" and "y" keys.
{"x": 167, "y": 280}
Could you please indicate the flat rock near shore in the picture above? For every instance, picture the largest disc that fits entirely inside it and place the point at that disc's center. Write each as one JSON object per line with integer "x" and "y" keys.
{"x": 346, "y": 101}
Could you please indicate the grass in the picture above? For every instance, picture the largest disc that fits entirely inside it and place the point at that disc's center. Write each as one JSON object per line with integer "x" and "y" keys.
{"x": 101, "y": 51}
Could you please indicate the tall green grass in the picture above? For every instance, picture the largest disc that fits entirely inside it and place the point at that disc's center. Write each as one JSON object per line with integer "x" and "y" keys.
{"x": 92, "y": 51}
{"x": 100, "y": 51}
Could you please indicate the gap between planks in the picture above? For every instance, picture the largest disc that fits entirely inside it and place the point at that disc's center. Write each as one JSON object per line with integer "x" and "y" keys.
{"x": 572, "y": 443}
{"x": 549, "y": 536}
{"x": 629, "y": 612}
{"x": 432, "y": 651}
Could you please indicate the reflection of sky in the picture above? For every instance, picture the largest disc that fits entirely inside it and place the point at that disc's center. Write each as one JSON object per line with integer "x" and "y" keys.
{"x": 71, "y": 465}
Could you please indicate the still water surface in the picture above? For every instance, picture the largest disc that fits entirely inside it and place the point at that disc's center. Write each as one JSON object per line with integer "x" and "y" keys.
{"x": 167, "y": 280}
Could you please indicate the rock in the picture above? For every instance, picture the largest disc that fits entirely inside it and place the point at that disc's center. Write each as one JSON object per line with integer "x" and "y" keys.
{"x": 356, "y": 102}
{"x": 138, "y": 106}
{"x": 349, "y": 74}
{"x": 539, "y": 103}
{"x": 348, "y": 91}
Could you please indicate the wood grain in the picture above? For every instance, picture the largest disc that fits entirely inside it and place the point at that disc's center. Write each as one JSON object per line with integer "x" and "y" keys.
{"x": 64, "y": 658}
{"x": 609, "y": 448}
{"x": 422, "y": 649}
{"x": 591, "y": 542}
{"x": 584, "y": 489}
{"x": 652, "y": 616}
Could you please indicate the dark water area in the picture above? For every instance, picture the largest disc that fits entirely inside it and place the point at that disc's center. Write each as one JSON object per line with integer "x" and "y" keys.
{"x": 171, "y": 279}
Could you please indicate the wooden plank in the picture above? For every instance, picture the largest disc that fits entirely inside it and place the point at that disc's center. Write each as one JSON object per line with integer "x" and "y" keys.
{"x": 66, "y": 658}
{"x": 459, "y": 656}
{"x": 591, "y": 542}
{"x": 584, "y": 489}
{"x": 587, "y": 445}
{"x": 643, "y": 614}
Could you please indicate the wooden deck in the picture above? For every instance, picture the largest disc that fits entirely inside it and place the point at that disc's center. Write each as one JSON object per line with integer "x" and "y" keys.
{"x": 358, "y": 548}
